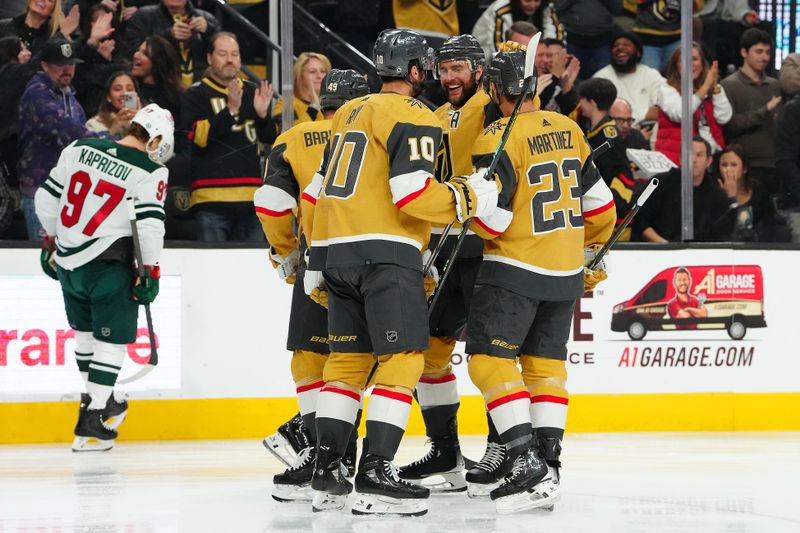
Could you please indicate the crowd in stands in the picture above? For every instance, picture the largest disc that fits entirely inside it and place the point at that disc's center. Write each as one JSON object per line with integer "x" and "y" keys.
{"x": 81, "y": 68}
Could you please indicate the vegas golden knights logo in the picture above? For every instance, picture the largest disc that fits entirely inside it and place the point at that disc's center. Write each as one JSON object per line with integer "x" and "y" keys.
{"x": 441, "y": 5}
{"x": 444, "y": 160}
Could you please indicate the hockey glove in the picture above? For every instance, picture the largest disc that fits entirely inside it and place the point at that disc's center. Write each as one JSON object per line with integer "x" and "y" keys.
{"x": 592, "y": 277}
{"x": 286, "y": 267}
{"x": 145, "y": 289}
{"x": 474, "y": 195}
{"x": 431, "y": 280}
{"x": 314, "y": 287}
{"x": 47, "y": 257}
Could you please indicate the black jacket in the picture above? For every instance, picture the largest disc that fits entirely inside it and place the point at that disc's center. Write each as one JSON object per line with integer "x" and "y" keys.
{"x": 787, "y": 151}
{"x": 34, "y": 39}
{"x": 156, "y": 20}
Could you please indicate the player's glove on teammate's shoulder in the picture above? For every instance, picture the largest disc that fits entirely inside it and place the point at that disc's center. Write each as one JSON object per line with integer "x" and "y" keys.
{"x": 47, "y": 257}
{"x": 592, "y": 277}
{"x": 145, "y": 289}
{"x": 474, "y": 195}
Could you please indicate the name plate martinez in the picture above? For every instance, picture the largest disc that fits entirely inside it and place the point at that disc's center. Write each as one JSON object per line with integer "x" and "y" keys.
{"x": 649, "y": 162}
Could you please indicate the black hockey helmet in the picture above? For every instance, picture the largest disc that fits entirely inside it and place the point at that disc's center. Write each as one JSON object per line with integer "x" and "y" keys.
{"x": 396, "y": 49}
{"x": 461, "y": 47}
{"x": 507, "y": 71}
{"x": 339, "y": 86}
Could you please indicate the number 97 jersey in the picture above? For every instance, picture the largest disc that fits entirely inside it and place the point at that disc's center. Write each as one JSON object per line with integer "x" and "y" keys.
{"x": 552, "y": 204}
{"x": 85, "y": 201}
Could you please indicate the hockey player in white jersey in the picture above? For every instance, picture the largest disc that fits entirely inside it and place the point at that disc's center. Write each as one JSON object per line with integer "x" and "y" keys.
{"x": 83, "y": 207}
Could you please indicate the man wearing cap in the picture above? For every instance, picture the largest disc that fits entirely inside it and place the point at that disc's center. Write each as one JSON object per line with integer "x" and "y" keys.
{"x": 635, "y": 82}
{"x": 50, "y": 118}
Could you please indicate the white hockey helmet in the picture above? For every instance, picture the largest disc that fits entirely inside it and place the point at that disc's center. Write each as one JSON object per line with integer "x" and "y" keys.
{"x": 158, "y": 122}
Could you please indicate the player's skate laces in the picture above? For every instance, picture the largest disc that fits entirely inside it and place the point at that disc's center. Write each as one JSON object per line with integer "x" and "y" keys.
{"x": 380, "y": 490}
{"x": 487, "y": 474}
{"x": 91, "y": 433}
{"x": 294, "y": 485}
{"x": 441, "y": 469}
{"x": 517, "y": 490}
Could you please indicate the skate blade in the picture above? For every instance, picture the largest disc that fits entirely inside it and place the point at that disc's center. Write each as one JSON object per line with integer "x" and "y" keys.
{"x": 525, "y": 501}
{"x": 278, "y": 446}
{"x": 480, "y": 491}
{"x": 373, "y": 504}
{"x": 115, "y": 421}
{"x": 443, "y": 483}
{"x": 324, "y": 501}
{"x": 91, "y": 444}
{"x": 292, "y": 493}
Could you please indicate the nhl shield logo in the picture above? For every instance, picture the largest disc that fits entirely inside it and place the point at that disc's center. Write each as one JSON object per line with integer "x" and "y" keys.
{"x": 66, "y": 50}
{"x": 391, "y": 336}
{"x": 105, "y": 332}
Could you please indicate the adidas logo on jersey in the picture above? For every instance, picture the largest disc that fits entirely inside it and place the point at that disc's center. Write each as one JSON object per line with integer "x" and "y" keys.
{"x": 545, "y": 123}
{"x": 112, "y": 151}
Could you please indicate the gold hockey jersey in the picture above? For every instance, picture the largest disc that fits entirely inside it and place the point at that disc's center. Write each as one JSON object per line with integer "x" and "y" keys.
{"x": 553, "y": 202}
{"x": 431, "y": 18}
{"x": 295, "y": 158}
{"x": 375, "y": 195}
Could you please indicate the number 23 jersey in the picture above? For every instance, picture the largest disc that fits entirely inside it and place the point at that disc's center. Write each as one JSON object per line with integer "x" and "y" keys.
{"x": 84, "y": 201}
{"x": 552, "y": 204}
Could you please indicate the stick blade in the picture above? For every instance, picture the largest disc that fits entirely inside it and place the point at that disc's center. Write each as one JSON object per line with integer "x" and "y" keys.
{"x": 530, "y": 54}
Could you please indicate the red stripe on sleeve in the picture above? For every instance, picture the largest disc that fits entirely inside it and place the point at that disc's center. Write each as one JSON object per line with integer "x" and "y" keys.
{"x": 485, "y": 227}
{"x": 312, "y": 386}
{"x": 548, "y": 398}
{"x": 271, "y": 213}
{"x": 599, "y": 210}
{"x": 521, "y": 395}
{"x": 344, "y": 392}
{"x": 308, "y": 198}
{"x": 403, "y": 201}
{"x": 392, "y": 395}
{"x": 624, "y": 179}
{"x": 436, "y": 381}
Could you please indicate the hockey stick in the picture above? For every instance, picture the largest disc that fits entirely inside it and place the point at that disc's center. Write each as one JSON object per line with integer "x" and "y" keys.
{"x": 527, "y": 86}
{"x": 137, "y": 253}
{"x": 651, "y": 186}
{"x": 597, "y": 152}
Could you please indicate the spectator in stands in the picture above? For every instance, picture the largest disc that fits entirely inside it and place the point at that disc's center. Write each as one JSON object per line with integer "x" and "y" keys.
{"x": 629, "y": 137}
{"x": 787, "y": 138}
{"x": 50, "y": 118}
{"x": 658, "y": 24}
{"x": 156, "y": 67}
{"x": 752, "y": 216}
{"x": 754, "y": 97}
{"x": 16, "y": 70}
{"x": 596, "y": 96}
{"x": 497, "y": 23}
{"x": 41, "y": 20}
{"x": 522, "y": 32}
{"x": 557, "y": 73}
{"x": 309, "y": 70}
{"x": 123, "y": 10}
{"x": 225, "y": 117}
{"x": 711, "y": 108}
{"x": 723, "y": 24}
{"x": 635, "y": 82}
{"x": 99, "y": 59}
{"x": 119, "y": 105}
{"x": 659, "y": 220}
{"x": 187, "y": 28}
{"x": 590, "y": 31}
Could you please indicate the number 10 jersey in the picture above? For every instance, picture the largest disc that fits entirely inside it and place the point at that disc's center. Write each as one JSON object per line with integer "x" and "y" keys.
{"x": 84, "y": 201}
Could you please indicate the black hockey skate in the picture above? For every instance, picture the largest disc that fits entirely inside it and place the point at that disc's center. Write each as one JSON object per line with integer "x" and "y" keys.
{"x": 549, "y": 488}
{"x": 115, "y": 412}
{"x": 294, "y": 485}
{"x": 329, "y": 480}
{"x": 290, "y": 439}
{"x": 379, "y": 490}
{"x": 441, "y": 469}
{"x": 517, "y": 491}
{"x": 488, "y": 473}
{"x": 91, "y": 434}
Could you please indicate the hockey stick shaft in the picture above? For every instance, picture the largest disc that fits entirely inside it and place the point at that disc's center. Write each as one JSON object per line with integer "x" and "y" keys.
{"x": 137, "y": 253}
{"x": 651, "y": 186}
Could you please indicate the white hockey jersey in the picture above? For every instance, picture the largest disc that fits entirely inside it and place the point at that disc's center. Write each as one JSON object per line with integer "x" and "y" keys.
{"x": 84, "y": 201}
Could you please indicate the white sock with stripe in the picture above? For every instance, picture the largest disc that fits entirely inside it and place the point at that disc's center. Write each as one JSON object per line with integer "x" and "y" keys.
{"x": 387, "y": 418}
{"x": 307, "y": 396}
{"x": 103, "y": 371}
{"x": 549, "y": 411}
{"x": 336, "y": 414}
{"x": 512, "y": 418}
{"x": 84, "y": 350}
{"x": 439, "y": 401}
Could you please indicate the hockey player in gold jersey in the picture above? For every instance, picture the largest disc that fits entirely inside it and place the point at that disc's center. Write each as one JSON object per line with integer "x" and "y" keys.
{"x": 373, "y": 203}
{"x": 459, "y": 68}
{"x": 553, "y": 205}
{"x": 295, "y": 158}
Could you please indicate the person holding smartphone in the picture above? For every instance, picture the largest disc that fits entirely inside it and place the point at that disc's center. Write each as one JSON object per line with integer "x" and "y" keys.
{"x": 119, "y": 105}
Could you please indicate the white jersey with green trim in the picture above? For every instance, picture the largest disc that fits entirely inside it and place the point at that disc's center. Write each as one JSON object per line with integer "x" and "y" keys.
{"x": 84, "y": 201}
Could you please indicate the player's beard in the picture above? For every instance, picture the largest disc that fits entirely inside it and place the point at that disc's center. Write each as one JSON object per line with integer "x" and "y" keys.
{"x": 467, "y": 92}
{"x": 416, "y": 87}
